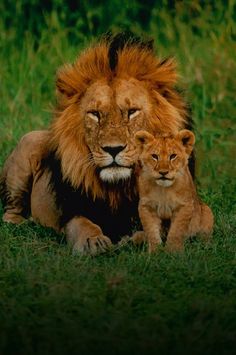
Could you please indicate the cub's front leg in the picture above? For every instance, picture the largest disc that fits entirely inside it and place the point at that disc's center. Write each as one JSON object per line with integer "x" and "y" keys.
{"x": 179, "y": 229}
{"x": 85, "y": 237}
{"x": 151, "y": 225}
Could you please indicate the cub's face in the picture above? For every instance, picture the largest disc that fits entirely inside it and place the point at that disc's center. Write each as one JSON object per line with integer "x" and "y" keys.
{"x": 112, "y": 113}
{"x": 164, "y": 158}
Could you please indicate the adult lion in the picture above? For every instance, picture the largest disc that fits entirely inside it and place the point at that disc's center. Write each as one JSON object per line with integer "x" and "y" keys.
{"x": 78, "y": 176}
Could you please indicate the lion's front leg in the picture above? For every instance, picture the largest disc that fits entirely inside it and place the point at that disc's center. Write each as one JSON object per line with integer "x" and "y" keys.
{"x": 86, "y": 237}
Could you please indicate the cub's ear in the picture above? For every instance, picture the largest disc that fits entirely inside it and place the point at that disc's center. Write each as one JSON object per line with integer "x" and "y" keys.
{"x": 142, "y": 138}
{"x": 65, "y": 81}
{"x": 187, "y": 138}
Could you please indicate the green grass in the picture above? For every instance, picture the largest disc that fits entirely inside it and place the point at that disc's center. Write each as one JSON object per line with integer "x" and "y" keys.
{"x": 54, "y": 303}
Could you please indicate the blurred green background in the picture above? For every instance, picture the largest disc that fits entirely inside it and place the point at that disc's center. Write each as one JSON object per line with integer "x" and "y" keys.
{"x": 53, "y": 302}
{"x": 83, "y": 19}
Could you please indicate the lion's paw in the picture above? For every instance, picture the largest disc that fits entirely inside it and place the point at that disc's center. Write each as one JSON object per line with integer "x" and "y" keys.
{"x": 92, "y": 245}
{"x": 13, "y": 218}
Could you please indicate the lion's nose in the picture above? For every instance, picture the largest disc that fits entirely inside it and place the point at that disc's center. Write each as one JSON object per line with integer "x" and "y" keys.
{"x": 163, "y": 173}
{"x": 113, "y": 151}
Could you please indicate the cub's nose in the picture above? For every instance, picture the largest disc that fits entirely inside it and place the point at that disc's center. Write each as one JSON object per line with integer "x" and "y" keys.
{"x": 163, "y": 173}
{"x": 113, "y": 151}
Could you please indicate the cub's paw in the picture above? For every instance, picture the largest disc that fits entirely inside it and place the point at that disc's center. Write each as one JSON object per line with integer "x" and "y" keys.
{"x": 154, "y": 245}
{"x": 174, "y": 247}
{"x": 138, "y": 238}
{"x": 92, "y": 245}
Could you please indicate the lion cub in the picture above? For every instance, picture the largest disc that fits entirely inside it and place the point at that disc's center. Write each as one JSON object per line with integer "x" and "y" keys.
{"x": 167, "y": 191}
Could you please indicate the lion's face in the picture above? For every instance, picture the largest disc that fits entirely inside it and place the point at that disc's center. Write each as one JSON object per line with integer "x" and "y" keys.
{"x": 112, "y": 113}
{"x": 165, "y": 158}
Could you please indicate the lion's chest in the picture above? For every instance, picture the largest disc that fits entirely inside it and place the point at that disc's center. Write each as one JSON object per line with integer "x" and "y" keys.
{"x": 114, "y": 224}
{"x": 76, "y": 202}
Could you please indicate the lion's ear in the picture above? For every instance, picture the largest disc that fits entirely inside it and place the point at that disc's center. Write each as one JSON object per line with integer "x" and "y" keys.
{"x": 65, "y": 82}
{"x": 187, "y": 138}
{"x": 142, "y": 138}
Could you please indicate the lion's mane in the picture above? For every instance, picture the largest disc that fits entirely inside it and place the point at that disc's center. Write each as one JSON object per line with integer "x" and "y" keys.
{"x": 113, "y": 57}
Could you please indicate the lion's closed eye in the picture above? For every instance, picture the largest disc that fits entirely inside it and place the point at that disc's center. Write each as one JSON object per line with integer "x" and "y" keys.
{"x": 133, "y": 112}
{"x": 95, "y": 115}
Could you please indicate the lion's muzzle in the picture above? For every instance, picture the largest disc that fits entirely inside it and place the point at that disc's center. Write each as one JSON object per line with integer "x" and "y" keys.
{"x": 115, "y": 173}
{"x": 114, "y": 150}
{"x": 115, "y": 166}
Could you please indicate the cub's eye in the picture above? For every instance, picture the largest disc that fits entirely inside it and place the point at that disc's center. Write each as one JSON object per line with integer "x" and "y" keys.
{"x": 133, "y": 112}
{"x": 155, "y": 157}
{"x": 173, "y": 156}
{"x": 95, "y": 115}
